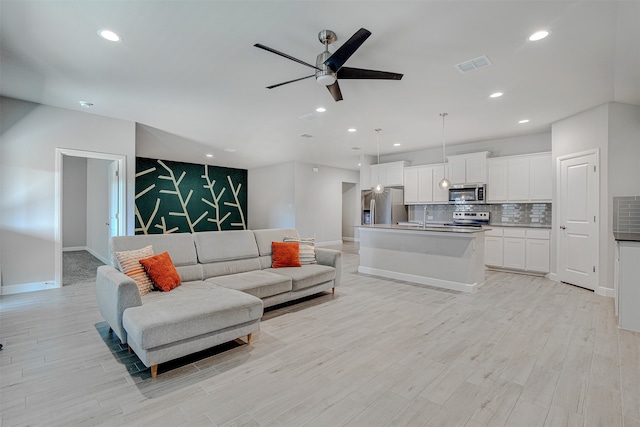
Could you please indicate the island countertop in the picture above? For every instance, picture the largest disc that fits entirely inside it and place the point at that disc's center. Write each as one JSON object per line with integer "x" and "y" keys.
{"x": 429, "y": 227}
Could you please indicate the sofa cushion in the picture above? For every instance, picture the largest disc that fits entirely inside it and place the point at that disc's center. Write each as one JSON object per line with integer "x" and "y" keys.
{"x": 307, "y": 275}
{"x": 179, "y": 245}
{"x": 215, "y": 246}
{"x": 307, "y": 249}
{"x": 162, "y": 272}
{"x": 187, "y": 312}
{"x": 265, "y": 237}
{"x": 129, "y": 264}
{"x": 258, "y": 283}
{"x": 285, "y": 254}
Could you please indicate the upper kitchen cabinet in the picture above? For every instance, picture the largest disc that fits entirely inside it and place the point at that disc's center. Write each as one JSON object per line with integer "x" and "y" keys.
{"x": 468, "y": 168}
{"x": 421, "y": 185}
{"x": 388, "y": 174}
{"x": 524, "y": 178}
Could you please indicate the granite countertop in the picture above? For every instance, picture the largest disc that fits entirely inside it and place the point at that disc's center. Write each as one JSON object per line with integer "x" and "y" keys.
{"x": 430, "y": 227}
{"x": 626, "y": 237}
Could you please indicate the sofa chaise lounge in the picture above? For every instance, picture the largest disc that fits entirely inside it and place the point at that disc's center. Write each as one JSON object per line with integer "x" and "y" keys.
{"x": 226, "y": 280}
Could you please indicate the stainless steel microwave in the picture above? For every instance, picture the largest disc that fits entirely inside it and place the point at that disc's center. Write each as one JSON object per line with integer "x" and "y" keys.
{"x": 467, "y": 194}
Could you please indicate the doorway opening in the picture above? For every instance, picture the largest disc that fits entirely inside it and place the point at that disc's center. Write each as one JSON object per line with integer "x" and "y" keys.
{"x": 90, "y": 208}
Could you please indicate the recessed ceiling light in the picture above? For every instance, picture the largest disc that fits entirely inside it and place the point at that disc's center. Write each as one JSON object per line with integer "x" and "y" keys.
{"x": 321, "y": 109}
{"x": 397, "y": 144}
{"x": 351, "y": 129}
{"x": 359, "y": 164}
{"x": 209, "y": 155}
{"x": 86, "y": 104}
{"x": 496, "y": 95}
{"x": 524, "y": 121}
{"x": 109, "y": 35}
{"x": 538, "y": 35}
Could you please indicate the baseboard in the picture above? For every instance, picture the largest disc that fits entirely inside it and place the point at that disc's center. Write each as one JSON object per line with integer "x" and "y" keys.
{"x": 97, "y": 255}
{"x": 553, "y": 276}
{"x": 27, "y": 287}
{"x": 429, "y": 281}
{"x": 74, "y": 249}
{"x": 88, "y": 249}
{"x": 329, "y": 243}
{"x": 605, "y": 292}
{"x": 348, "y": 239}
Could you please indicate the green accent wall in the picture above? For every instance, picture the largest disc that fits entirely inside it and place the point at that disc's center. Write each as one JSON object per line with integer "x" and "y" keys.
{"x": 177, "y": 197}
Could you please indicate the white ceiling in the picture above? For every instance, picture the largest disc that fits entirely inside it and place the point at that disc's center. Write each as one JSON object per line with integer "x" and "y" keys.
{"x": 189, "y": 68}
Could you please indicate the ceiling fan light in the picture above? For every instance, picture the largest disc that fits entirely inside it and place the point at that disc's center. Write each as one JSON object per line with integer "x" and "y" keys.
{"x": 326, "y": 79}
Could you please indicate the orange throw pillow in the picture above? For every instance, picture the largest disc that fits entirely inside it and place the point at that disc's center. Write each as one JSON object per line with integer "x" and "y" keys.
{"x": 162, "y": 272}
{"x": 285, "y": 254}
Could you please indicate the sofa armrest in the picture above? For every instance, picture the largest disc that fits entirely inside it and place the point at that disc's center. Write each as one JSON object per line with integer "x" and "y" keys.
{"x": 115, "y": 292}
{"x": 333, "y": 258}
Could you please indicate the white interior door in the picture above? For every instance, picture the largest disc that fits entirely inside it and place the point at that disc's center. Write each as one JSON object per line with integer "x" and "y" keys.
{"x": 114, "y": 200}
{"x": 577, "y": 214}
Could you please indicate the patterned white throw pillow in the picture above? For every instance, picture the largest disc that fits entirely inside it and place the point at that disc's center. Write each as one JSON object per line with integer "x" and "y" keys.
{"x": 307, "y": 249}
{"x": 130, "y": 265}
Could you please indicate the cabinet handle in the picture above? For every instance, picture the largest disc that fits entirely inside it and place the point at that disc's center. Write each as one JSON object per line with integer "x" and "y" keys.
{"x": 562, "y": 227}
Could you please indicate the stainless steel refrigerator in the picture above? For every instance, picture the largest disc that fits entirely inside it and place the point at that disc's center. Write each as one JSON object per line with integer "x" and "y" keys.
{"x": 385, "y": 208}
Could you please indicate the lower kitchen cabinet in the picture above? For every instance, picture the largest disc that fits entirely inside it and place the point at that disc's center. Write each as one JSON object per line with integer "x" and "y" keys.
{"x": 519, "y": 249}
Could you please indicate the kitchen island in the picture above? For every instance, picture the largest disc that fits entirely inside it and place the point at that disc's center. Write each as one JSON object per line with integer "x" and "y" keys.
{"x": 445, "y": 257}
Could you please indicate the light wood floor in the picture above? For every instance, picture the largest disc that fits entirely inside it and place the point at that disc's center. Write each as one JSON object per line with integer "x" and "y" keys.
{"x": 522, "y": 351}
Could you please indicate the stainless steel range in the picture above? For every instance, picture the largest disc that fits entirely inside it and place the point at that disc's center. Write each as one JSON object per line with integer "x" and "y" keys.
{"x": 470, "y": 219}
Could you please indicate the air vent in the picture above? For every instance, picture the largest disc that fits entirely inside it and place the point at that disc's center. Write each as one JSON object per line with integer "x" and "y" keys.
{"x": 473, "y": 64}
{"x": 306, "y": 135}
{"x": 356, "y": 148}
{"x": 308, "y": 117}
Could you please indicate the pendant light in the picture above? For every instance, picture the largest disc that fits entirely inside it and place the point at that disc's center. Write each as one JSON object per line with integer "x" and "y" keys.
{"x": 379, "y": 188}
{"x": 444, "y": 182}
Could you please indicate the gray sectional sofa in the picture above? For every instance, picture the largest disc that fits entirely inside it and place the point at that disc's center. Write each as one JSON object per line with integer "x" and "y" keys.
{"x": 227, "y": 280}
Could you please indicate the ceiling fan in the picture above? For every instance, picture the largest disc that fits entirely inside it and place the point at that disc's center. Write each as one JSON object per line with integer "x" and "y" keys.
{"x": 329, "y": 67}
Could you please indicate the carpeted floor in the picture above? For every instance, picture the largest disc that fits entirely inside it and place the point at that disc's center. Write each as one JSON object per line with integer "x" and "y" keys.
{"x": 78, "y": 267}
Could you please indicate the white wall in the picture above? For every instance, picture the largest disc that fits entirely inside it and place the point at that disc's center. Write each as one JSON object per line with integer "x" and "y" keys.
{"x": 350, "y": 210}
{"x": 74, "y": 202}
{"x": 271, "y": 197}
{"x": 97, "y": 207}
{"x": 526, "y": 144}
{"x": 292, "y": 195}
{"x": 587, "y": 130}
{"x": 319, "y": 201}
{"x": 28, "y": 220}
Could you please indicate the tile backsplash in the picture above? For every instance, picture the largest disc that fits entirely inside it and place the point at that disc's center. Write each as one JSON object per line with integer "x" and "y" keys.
{"x": 626, "y": 214}
{"x": 538, "y": 214}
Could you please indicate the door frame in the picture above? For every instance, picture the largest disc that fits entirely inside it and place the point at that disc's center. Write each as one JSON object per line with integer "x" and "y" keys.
{"x": 558, "y": 216}
{"x": 122, "y": 202}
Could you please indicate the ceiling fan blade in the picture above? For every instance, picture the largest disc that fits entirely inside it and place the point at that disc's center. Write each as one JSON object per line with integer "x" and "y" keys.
{"x": 359, "y": 73}
{"x": 290, "y": 81}
{"x": 334, "y": 89}
{"x": 344, "y": 52}
{"x": 284, "y": 55}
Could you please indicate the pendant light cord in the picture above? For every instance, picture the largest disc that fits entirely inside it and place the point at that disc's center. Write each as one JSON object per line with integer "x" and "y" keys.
{"x": 443, "y": 115}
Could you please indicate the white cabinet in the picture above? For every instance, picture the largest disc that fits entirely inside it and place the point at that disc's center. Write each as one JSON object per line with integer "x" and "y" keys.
{"x": 497, "y": 179}
{"x": 518, "y": 180}
{"x": 468, "y": 168}
{"x": 524, "y": 178}
{"x": 514, "y": 248}
{"x": 521, "y": 249}
{"x": 388, "y": 174}
{"x": 421, "y": 185}
{"x": 540, "y": 173}
{"x": 628, "y": 271}
{"x": 493, "y": 248}
{"x": 439, "y": 195}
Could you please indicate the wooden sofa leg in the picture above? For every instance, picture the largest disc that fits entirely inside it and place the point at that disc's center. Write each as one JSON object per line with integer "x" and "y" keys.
{"x": 249, "y": 339}
{"x": 129, "y": 348}
{"x": 154, "y": 372}
{"x": 333, "y": 291}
